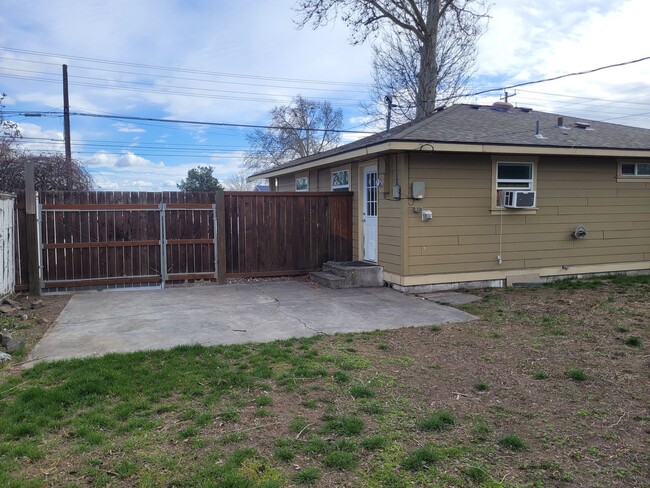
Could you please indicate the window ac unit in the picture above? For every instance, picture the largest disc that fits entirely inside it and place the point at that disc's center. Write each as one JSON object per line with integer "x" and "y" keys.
{"x": 518, "y": 199}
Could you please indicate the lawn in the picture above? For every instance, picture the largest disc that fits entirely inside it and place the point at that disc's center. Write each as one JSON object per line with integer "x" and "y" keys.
{"x": 548, "y": 388}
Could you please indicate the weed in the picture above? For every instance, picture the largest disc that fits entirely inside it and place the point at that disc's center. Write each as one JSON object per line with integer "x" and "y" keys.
{"x": 435, "y": 328}
{"x": 341, "y": 460}
{"x": 437, "y": 421}
{"x": 481, "y": 386}
{"x": 361, "y": 391}
{"x": 263, "y": 401}
{"x": 512, "y": 442}
{"x": 188, "y": 432}
{"x": 421, "y": 458}
{"x": 633, "y": 341}
{"x": 372, "y": 408}
{"x": 476, "y": 473}
{"x": 576, "y": 374}
{"x": 309, "y": 403}
{"x": 298, "y": 424}
{"x": 383, "y": 347}
{"x": 263, "y": 412}
{"x": 622, "y": 329}
{"x": 540, "y": 375}
{"x": 307, "y": 476}
{"x": 234, "y": 437}
{"x": 482, "y": 430}
{"x": 374, "y": 442}
{"x": 346, "y": 426}
{"x": 284, "y": 453}
{"x": 341, "y": 377}
{"x": 229, "y": 415}
{"x": 314, "y": 445}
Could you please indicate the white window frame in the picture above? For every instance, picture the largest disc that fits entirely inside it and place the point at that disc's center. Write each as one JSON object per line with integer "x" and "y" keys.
{"x": 340, "y": 187}
{"x": 632, "y": 177}
{"x": 531, "y": 183}
{"x": 306, "y": 183}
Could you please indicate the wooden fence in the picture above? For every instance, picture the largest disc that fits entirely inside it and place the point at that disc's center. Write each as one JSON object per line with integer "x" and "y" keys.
{"x": 281, "y": 233}
{"x": 95, "y": 239}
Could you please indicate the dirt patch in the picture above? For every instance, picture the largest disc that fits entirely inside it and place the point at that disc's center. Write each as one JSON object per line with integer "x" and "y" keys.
{"x": 30, "y": 319}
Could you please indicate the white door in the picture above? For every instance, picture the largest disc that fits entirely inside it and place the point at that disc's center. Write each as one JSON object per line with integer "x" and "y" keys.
{"x": 370, "y": 214}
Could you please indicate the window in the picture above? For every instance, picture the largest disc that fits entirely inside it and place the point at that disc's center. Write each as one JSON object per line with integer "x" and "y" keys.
{"x": 635, "y": 169}
{"x": 509, "y": 174}
{"x": 302, "y": 183}
{"x": 341, "y": 180}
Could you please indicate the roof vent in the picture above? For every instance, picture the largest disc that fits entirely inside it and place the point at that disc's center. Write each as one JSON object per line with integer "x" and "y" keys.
{"x": 583, "y": 125}
{"x": 525, "y": 109}
{"x": 560, "y": 123}
{"x": 475, "y": 106}
{"x": 439, "y": 108}
{"x": 502, "y": 106}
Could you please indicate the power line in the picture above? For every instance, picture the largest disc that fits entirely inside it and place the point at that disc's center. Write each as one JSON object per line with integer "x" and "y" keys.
{"x": 180, "y": 70}
{"x": 181, "y": 121}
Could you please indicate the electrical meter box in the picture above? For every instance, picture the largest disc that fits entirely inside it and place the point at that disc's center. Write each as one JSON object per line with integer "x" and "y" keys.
{"x": 417, "y": 190}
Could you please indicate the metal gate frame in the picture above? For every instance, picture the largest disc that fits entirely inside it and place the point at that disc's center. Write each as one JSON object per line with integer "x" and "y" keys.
{"x": 162, "y": 277}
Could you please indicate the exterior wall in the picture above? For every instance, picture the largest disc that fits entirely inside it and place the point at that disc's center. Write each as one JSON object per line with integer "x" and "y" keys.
{"x": 7, "y": 245}
{"x": 465, "y": 237}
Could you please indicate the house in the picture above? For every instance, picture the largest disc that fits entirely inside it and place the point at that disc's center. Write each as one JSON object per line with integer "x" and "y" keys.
{"x": 489, "y": 195}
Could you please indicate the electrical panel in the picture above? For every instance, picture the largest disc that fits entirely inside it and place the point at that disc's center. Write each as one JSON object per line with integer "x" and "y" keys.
{"x": 417, "y": 190}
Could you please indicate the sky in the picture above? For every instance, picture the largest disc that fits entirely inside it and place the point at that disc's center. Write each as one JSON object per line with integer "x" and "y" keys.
{"x": 232, "y": 61}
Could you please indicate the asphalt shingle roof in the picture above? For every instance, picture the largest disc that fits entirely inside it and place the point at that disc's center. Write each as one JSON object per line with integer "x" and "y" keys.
{"x": 474, "y": 124}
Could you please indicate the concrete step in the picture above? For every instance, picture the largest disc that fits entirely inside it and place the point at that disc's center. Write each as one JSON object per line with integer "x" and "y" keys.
{"x": 329, "y": 280}
{"x": 357, "y": 274}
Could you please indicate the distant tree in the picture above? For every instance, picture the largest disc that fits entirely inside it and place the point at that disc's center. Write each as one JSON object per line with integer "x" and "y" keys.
{"x": 50, "y": 172}
{"x": 303, "y": 128}
{"x": 8, "y": 131}
{"x": 200, "y": 179}
{"x": 238, "y": 181}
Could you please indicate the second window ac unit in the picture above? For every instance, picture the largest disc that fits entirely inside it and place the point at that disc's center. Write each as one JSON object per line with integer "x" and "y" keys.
{"x": 518, "y": 199}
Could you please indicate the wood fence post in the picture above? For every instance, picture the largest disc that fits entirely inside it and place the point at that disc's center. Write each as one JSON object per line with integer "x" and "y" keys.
{"x": 31, "y": 231}
{"x": 220, "y": 237}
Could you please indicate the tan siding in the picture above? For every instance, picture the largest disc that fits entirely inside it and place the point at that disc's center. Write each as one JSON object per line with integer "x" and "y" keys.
{"x": 465, "y": 237}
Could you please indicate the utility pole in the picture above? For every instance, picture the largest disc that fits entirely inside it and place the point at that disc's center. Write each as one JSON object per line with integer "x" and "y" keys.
{"x": 66, "y": 129}
{"x": 388, "y": 100}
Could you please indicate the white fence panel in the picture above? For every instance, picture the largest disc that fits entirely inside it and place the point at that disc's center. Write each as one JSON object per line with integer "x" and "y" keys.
{"x": 7, "y": 245}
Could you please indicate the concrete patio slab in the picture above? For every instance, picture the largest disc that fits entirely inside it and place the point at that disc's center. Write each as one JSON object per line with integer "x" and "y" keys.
{"x": 450, "y": 297}
{"x": 97, "y": 323}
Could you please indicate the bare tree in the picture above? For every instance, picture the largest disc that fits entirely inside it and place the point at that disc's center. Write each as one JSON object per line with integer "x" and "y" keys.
{"x": 50, "y": 172}
{"x": 432, "y": 34}
{"x": 303, "y": 128}
{"x": 238, "y": 181}
{"x": 8, "y": 131}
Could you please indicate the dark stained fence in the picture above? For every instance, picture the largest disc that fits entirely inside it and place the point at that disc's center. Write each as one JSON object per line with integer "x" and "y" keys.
{"x": 122, "y": 238}
{"x": 280, "y": 233}
{"x": 99, "y": 239}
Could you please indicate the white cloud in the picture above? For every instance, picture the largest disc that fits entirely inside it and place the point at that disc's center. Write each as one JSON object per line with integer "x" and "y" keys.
{"x": 128, "y": 128}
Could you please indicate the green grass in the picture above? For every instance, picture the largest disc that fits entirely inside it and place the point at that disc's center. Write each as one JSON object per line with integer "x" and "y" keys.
{"x": 307, "y": 476}
{"x": 576, "y": 375}
{"x": 540, "y": 375}
{"x": 633, "y": 341}
{"x": 341, "y": 460}
{"x": 346, "y": 426}
{"x": 481, "y": 386}
{"x": 437, "y": 421}
{"x": 263, "y": 401}
{"x": 421, "y": 458}
{"x": 512, "y": 442}
{"x": 361, "y": 391}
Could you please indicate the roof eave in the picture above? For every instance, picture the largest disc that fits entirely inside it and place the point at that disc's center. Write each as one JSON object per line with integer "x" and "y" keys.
{"x": 428, "y": 146}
